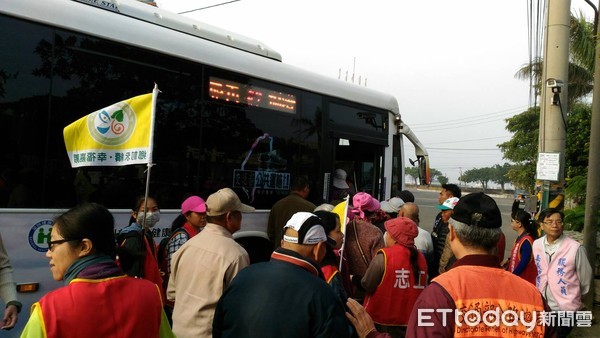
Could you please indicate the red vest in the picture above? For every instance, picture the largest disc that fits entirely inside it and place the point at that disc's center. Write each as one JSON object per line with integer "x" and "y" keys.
{"x": 151, "y": 271}
{"x": 329, "y": 271}
{"x": 482, "y": 289}
{"x": 118, "y": 307}
{"x": 530, "y": 272}
{"x": 394, "y": 298}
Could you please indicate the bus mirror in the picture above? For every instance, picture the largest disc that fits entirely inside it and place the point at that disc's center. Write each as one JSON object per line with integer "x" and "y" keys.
{"x": 423, "y": 166}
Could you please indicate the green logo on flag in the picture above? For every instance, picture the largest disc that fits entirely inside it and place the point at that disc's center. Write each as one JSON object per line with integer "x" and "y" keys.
{"x": 113, "y": 125}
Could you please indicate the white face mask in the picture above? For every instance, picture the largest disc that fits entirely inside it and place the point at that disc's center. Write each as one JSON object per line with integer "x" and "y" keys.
{"x": 151, "y": 218}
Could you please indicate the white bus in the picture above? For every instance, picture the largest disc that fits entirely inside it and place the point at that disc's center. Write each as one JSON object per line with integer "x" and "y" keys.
{"x": 230, "y": 114}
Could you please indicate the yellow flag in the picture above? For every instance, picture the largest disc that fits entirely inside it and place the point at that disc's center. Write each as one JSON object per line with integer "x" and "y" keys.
{"x": 342, "y": 210}
{"x": 116, "y": 135}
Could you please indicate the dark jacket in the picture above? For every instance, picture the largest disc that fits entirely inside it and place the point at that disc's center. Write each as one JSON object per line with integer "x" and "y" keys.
{"x": 438, "y": 237}
{"x": 285, "y": 297}
{"x": 282, "y": 211}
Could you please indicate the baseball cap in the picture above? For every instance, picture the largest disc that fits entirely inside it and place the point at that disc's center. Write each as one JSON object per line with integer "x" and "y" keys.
{"x": 448, "y": 204}
{"x": 339, "y": 179}
{"x": 309, "y": 228}
{"x": 478, "y": 209}
{"x": 392, "y": 205}
{"x": 193, "y": 203}
{"x": 403, "y": 230}
{"x": 224, "y": 201}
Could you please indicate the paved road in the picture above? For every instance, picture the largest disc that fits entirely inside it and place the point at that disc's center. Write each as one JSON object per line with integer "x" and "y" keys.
{"x": 428, "y": 200}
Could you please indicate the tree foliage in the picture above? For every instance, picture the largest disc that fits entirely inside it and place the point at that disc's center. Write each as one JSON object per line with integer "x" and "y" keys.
{"x": 443, "y": 179}
{"x": 412, "y": 172}
{"x": 577, "y": 149}
{"x": 479, "y": 175}
{"x": 500, "y": 174}
{"x": 522, "y": 148}
{"x": 581, "y": 62}
{"x": 434, "y": 173}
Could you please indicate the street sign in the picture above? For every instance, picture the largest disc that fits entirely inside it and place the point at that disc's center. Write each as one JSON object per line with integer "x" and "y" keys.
{"x": 548, "y": 167}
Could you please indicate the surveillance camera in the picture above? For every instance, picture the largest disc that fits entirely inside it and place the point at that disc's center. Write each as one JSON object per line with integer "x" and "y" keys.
{"x": 554, "y": 83}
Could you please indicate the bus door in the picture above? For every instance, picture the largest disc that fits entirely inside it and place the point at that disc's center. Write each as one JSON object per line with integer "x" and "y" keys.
{"x": 363, "y": 164}
{"x": 358, "y": 136}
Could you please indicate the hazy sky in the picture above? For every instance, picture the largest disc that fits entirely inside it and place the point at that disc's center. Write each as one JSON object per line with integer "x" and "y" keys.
{"x": 450, "y": 64}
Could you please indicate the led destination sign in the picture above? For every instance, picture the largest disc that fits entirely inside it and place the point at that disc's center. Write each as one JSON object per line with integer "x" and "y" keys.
{"x": 245, "y": 94}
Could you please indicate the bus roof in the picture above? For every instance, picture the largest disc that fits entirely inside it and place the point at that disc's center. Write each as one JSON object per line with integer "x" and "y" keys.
{"x": 148, "y": 27}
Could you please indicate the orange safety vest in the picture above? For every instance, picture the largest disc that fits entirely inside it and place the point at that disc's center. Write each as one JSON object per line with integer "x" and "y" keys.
{"x": 396, "y": 294}
{"x": 119, "y": 306}
{"x": 481, "y": 291}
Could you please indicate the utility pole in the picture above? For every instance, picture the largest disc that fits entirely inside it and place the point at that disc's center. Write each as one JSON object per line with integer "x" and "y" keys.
{"x": 592, "y": 200}
{"x": 555, "y": 74}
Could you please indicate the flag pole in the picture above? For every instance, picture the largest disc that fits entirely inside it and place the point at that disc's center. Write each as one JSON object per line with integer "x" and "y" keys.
{"x": 344, "y": 222}
{"x": 155, "y": 92}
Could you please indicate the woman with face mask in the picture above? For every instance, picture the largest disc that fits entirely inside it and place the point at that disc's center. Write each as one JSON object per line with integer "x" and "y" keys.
{"x": 136, "y": 251}
{"x": 97, "y": 299}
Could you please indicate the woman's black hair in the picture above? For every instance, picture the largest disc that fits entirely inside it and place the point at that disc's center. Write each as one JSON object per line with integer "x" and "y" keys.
{"x": 329, "y": 222}
{"x": 329, "y": 219}
{"x": 92, "y": 221}
{"x": 138, "y": 205}
{"x": 414, "y": 263}
{"x": 178, "y": 222}
{"x": 524, "y": 218}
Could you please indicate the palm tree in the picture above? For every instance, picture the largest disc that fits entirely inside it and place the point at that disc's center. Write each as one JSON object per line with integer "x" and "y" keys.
{"x": 581, "y": 64}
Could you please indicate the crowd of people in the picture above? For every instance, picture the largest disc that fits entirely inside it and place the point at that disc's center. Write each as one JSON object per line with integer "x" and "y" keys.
{"x": 370, "y": 271}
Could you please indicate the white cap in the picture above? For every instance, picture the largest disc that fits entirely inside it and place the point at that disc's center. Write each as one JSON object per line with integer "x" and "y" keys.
{"x": 309, "y": 228}
{"x": 392, "y": 205}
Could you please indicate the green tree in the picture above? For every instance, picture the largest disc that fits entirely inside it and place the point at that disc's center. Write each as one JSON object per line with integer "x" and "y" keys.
{"x": 412, "y": 172}
{"x": 522, "y": 148}
{"x": 442, "y": 179}
{"x": 500, "y": 174}
{"x": 581, "y": 62}
{"x": 434, "y": 174}
{"x": 577, "y": 149}
{"x": 480, "y": 175}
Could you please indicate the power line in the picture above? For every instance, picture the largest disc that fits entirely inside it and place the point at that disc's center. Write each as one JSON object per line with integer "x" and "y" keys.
{"x": 477, "y": 139}
{"x": 481, "y": 116}
{"x": 467, "y": 149}
{"x": 459, "y": 123}
{"x": 453, "y": 126}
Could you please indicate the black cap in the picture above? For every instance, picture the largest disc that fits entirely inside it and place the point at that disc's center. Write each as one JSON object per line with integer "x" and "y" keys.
{"x": 478, "y": 209}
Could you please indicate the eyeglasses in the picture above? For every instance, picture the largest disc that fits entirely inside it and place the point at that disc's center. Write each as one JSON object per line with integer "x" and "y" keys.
{"x": 557, "y": 222}
{"x": 53, "y": 244}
